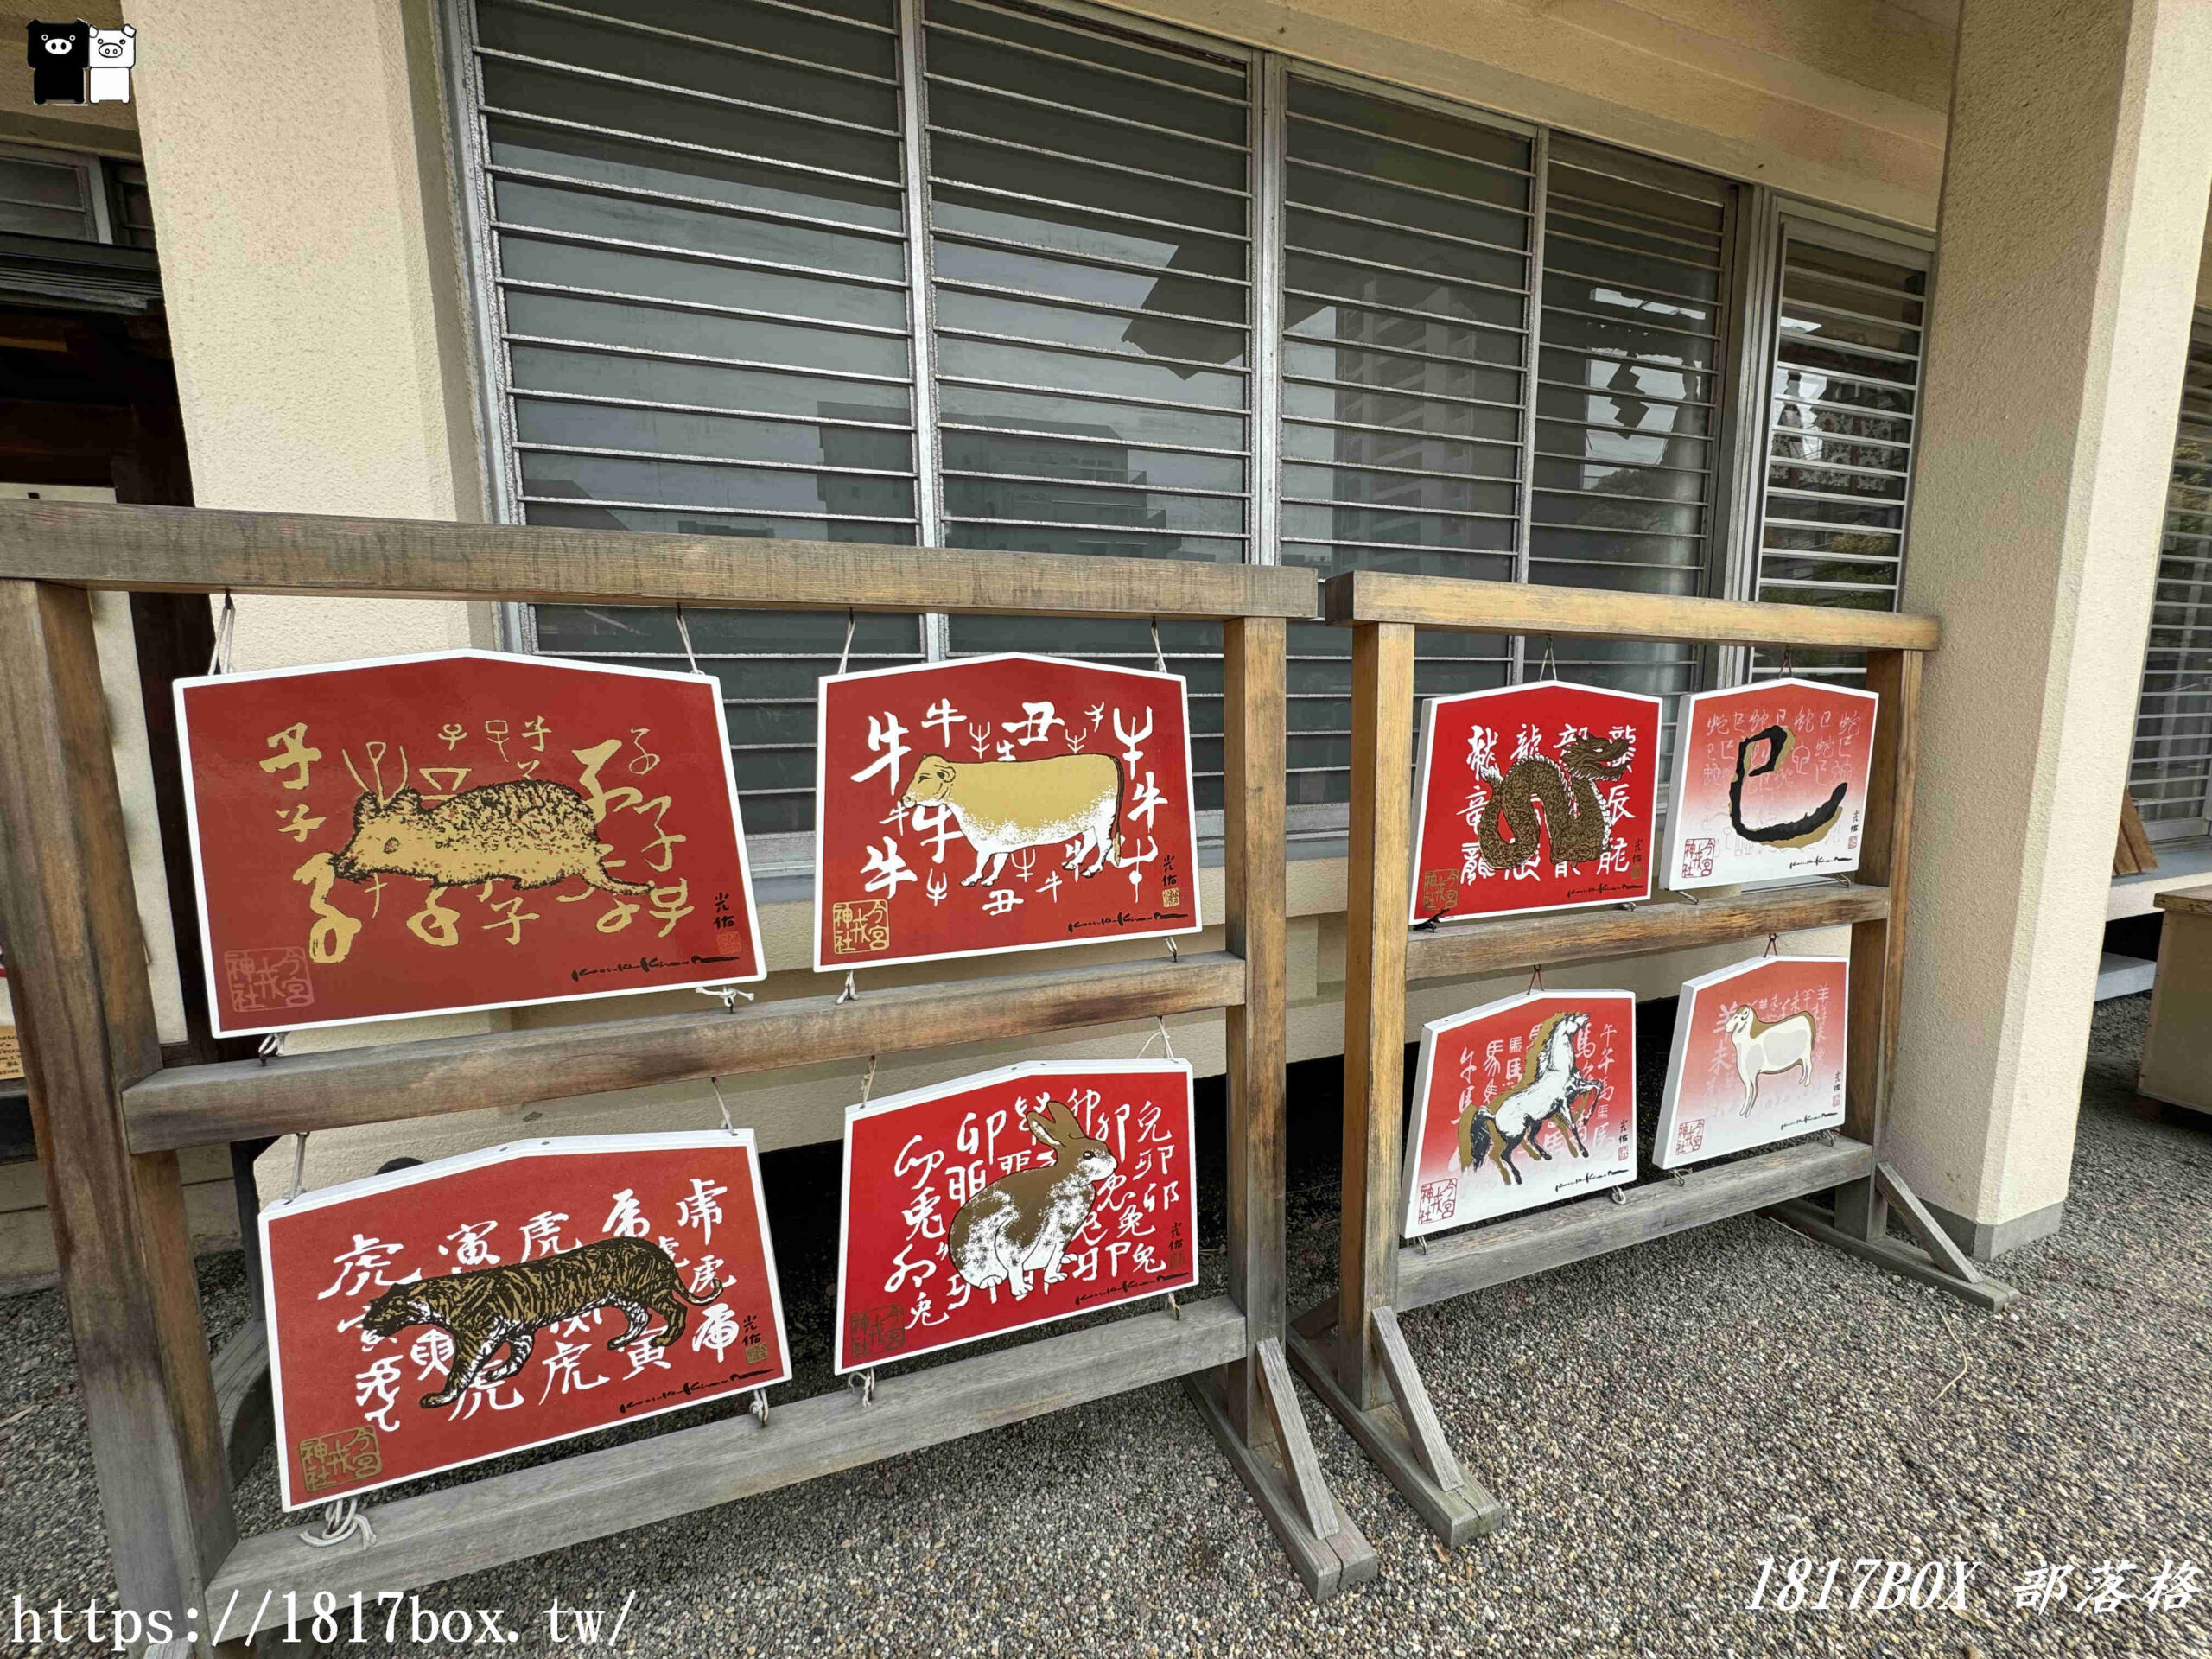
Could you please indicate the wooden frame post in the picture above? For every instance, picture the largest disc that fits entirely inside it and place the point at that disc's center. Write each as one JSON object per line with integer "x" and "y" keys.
{"x": 1251, "y": 1405}
{"x": 1350, "y": 1348}
{"x": 77, "y": 971}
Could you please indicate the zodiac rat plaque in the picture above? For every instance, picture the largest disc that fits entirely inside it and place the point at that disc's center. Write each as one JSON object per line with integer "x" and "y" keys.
{"x": 1001, "y": 804}
{"x": 462, "y": 830}
{"x": 460, "y": 1310}
{"x": 1521, "y": 1102}
{"x": 1013, "y": 1199}
{"x": 1758, "y": 1057}
{"x": 1769, "y": 781}
{"x": 1536, "y": 797}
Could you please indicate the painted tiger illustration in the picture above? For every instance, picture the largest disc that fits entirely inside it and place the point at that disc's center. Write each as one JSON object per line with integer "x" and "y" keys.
{"x": 1573, "y": 817}
{"x": 487, "y": 1309}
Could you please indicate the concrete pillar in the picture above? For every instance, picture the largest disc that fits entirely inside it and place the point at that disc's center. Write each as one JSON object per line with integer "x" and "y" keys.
{"x": 2073, "y": 210}
{"x": 310, "y": 262}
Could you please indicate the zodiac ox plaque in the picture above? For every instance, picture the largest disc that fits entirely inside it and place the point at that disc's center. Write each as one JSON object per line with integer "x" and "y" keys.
{"x": 461, "y": 830}
{"x": 1769, "y": 781}
{"x": 998, "y": 804}
{"x": 1010, "y": 1199}
{"x": 1758, "y": 1057}
{"x": 1521, "y": 1102}
{"x": 1535, "y": 797}
{"x": 505, "y": 1298}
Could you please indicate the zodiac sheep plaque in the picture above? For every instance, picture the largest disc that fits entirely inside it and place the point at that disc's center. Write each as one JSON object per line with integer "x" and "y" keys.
{"x": 1521, "y": 1102}
{"x": 1010, "y": 1199}
{"x": 505, "y": 1298}
{"x": 1533, "y": 798}
{"x": 1769, "y": 782}
{"x": 463, "y": 830}
{"x": 1001, "y": 804}
{"x": 1758, "y": 1057}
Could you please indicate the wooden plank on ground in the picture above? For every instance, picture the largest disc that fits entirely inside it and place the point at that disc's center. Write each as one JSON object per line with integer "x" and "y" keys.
{"x": 198, "y": 550}
{"x": 1475, "y": 607}
{"x": 1505, "y": 1251}
{"x": 511, "y": 1517}
{"x": 196, "y": 1105}
{"x": 1453, "y": 951}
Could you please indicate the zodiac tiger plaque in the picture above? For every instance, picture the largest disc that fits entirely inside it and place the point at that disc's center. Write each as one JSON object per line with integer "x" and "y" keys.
{"x": 1005, "y": 802}
{"x": 1013, "y": 1199}
{"x": 1520, "y": 1103}
{"x": 463, "y": 830}
{"x": 1769, "y": 782}
{"x": 1535, "y": 797}
{"x": 1758, "y": 1057}
{"x": 481, "y": 1305}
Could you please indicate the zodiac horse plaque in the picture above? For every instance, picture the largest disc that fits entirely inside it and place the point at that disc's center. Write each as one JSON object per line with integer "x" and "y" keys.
{"x": 460, "y": 1310}
{"x": 1520, "y": 1103}
{"x": 997, "y": 803}
{"x": 1533, "y": 797}
{"x": 463, "y": 830}
{"x": 1010, "y": 1199}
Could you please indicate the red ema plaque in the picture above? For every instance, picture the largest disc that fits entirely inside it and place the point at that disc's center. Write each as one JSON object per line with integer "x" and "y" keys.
{"x": 1011, "y": 1199}
{"x": 510, "y": 1298}
{"x": 1535, "y": 797}
{"x": 1769, "y": 782}
{"x": 463, "y": 830}
{"x": 1520, "y": 1103}
{"x": 1001, "y": 804}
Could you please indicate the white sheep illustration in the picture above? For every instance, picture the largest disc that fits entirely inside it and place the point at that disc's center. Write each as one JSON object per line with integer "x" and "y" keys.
{"x": 1762, "y": 1049}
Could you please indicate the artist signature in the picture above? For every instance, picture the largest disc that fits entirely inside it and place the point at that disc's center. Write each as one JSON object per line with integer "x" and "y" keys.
{"x": 650, "y": 964}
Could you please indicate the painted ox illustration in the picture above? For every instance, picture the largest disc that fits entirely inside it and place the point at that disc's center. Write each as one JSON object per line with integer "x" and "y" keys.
{"x": 1762, "y": 1049}
{"x": 1002, "y": 806}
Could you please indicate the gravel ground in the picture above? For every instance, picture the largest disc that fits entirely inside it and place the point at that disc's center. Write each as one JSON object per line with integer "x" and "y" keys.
{"x": 1660, "y": 1420}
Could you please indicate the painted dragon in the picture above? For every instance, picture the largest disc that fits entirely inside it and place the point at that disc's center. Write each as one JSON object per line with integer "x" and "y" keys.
{"x": 1574, "y": 818}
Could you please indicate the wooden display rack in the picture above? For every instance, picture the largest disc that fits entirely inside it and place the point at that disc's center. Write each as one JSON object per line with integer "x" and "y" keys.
{"x": 1372, "y": 1383}
{"x": 110, "y": 1119}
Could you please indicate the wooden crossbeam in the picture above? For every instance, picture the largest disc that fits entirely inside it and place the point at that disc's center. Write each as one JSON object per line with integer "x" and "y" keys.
{"x": 198, "y": 550}
{"x": 1469, "y": 606}
{"x": 196, "y": 1105}
{"x": 1516, "y": 1248}
{"x": 489, "y": 1522}
{"x": 1668, "y": 923}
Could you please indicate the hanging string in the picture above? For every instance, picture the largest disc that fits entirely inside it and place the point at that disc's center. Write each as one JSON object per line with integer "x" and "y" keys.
{"x": 715, "y": 1083}
{"x": 850, "y": 991}
{"x": 226, "y": 627}
{"x": 684, "y": 631}
{"x": 1159, "y": 657}
{"x": 341, "y": 1521}
{"x": 299, "y": 1164}
{"x": 729, "y": 993}
{"x": 271, "y": 1046}
{"x": 863, "y": 1383}
{"x": 1160, "y": 1037}
{"x": 867, "y": 1083}
{"x": 1535, "y": 979}
{"x": 1773, "y": 945}
{"x": 1174, "y": 955}
{"x": 1549, "y": 668}
{"x": 846, "y": 654}
{"x": 1788, "y": 663}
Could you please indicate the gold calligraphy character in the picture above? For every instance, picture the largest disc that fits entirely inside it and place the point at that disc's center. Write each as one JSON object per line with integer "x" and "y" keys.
{"x": 292, "y": 742}
{"x": 332, "y": 935}
{"x": 299, "y": 826}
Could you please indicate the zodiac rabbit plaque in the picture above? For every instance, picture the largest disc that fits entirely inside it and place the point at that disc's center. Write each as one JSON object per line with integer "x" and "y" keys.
{"x": 1521, "y": 1102}
{"x": 1535, "y": 797}
{"x": 1769, "y": 781}
{"x": 1010, "y": 1199}
{"x": 463, "y": 830}
{"x": 998, "y": 804}
{"x": 1758, "y": 1057}
{"x": 505, "y": 1298}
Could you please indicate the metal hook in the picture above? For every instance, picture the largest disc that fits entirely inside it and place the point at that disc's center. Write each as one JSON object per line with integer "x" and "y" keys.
{"x": 1773, "y": 945}
{"x": 1691, "y": 897}
{"x": 1421, "y": 1243}
{"x": 1434, "y": 924}
{"x": 1159, "y": 657}
{"x": 226, "y": 623}
{"x": 1617, "y": 1195}
{"x": 846, "y": 654}
{"x": 1547, "y": 668}
{"x": 1535, "y": 979}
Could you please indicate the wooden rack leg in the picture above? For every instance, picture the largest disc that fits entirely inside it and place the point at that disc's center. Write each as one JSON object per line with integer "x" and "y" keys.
{"x": 1860, "y": 1220}
{"x": 78, "y": 975}
{"x": 1351, "y": 1351}
{"x": 1251, "y": 1405}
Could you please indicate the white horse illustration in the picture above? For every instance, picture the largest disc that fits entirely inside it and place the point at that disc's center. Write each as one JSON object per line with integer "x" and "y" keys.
{"x": 1550, "y": 1084}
